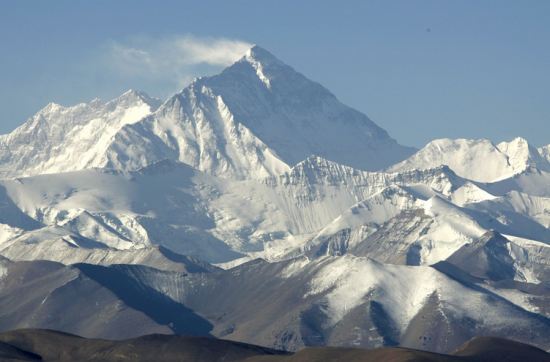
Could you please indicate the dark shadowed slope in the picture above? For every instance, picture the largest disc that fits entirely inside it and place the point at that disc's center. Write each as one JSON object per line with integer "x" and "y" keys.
{"x": 487, "y": 258}
{"x": 89, "y": 300}
{"x": 49, "y": 345}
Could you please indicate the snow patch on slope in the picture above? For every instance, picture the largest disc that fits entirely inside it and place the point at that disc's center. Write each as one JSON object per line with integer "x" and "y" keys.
{"x": 351, "y": 278}
{"x": 403, "y": 291}
{"x": 452, "y": 229}
{"x": 470, "y": 193}
{"x": 379, "y": 208}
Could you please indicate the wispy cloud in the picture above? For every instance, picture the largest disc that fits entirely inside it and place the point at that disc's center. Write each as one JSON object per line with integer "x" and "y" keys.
{"x": 175, "y": 58}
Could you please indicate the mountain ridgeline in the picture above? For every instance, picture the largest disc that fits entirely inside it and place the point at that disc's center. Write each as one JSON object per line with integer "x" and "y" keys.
{"x": 255, "y": 207}
{"x": 258, "y": 117}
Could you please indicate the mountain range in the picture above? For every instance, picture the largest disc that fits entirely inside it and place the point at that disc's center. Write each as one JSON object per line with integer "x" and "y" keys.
{"x": 254, "y": 206}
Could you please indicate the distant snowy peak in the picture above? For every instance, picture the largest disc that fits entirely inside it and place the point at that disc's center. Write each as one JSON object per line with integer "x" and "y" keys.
{"x": 56, "y": 115}
{"x": 477, "y": 160}
{"x": 545, "y": 152}
{"x": 257, "y": 118}
{"x": 59, "y": 139}
{"x": 316, "y": 170}
{"x": 521, "y": 155}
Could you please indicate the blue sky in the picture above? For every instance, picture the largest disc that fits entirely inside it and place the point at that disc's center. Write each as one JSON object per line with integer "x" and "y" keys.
{"x": 422, "y": 70}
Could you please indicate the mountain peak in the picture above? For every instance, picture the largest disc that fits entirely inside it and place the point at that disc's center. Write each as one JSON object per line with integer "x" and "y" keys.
{"x": 487, "y": 257}
{"x": 519, "y": 141}
{"x": 453, "y": 153}
{"x": 134, "y": 98}
{"x": 135, "y": 93}
{"x": 51, "y": 107}
{"x": 522, "y": 156}
{"x": 261, "y": 55}
{"x": 491, "y": 235}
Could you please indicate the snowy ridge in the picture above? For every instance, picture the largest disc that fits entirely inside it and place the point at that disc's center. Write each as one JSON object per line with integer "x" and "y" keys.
{"x": 168, "y": 198}
{"x": 256, "y": 118}
{"x": 69, "y": 249}
{"x": 470, "y": 193}
{"x": 379, "y": 208}
{"x": 403, "y": 291}
{"x": 531, "y": 181}
{"x": 60, "y": 139}
{"x": 193, "y": 213}
{"x": 532, "y": 207}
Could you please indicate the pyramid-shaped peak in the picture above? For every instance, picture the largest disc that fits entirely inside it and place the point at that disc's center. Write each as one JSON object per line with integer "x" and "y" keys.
{"x": 134, "y": 94}
{"x": 261, "y": 55}
{"x": 492, "y": 235}
{"x": 520, "y": 141}
{"x": 488, "y": 257}
{"x": 51, "y": 107}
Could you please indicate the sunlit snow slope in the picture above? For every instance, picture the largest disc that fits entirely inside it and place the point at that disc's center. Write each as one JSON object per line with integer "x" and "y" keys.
{"x": 59, "y": 139}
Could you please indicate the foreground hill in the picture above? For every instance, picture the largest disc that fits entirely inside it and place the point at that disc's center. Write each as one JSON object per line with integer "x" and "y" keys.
{"x": 51, "y": 346}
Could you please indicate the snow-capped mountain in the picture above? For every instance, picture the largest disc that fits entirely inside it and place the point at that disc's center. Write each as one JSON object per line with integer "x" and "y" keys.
{"x": 545, "y": 152}
{"x": 260, "y": 162}
{"x": 478, "y": 160}
{"x": 59, "y": 139}
{"x": 521, "y": 155}
{"x": 258, "y": 117}
{"x": 463, "y": 157}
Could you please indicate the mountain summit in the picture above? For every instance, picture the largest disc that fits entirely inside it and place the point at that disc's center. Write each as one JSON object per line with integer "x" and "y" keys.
{"x": 258, "y": 117}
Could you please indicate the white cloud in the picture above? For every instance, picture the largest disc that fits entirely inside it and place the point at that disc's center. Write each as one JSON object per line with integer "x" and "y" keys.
{"x": 176, "y": 58}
